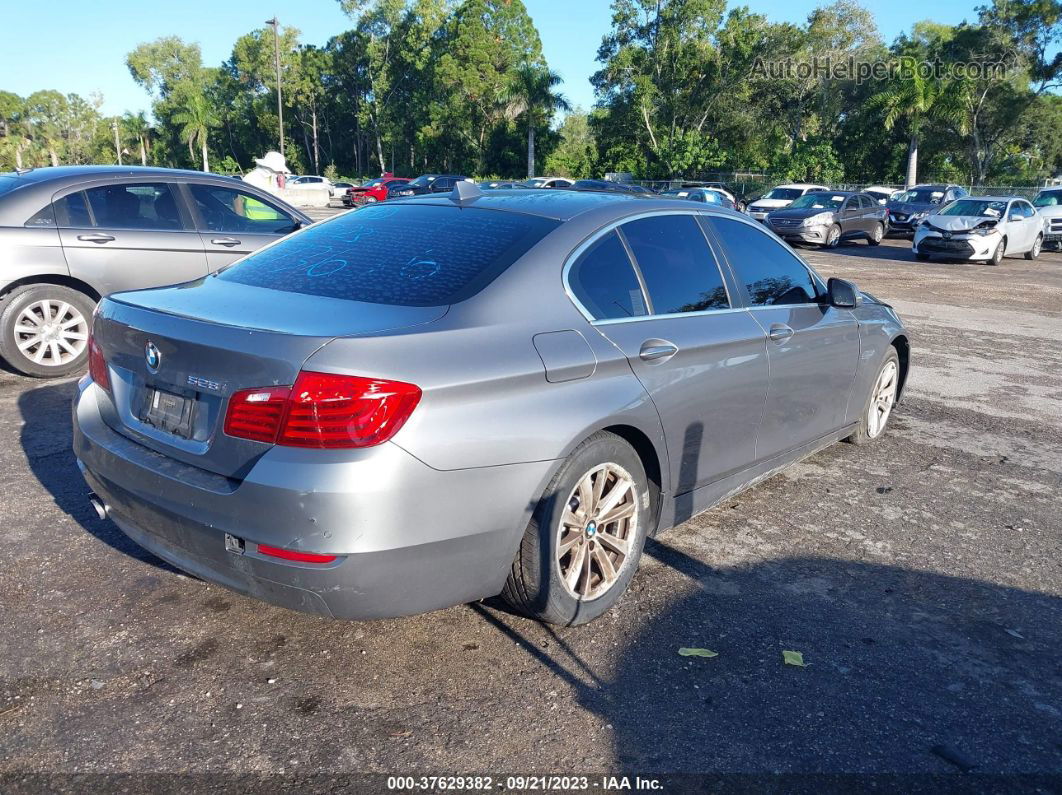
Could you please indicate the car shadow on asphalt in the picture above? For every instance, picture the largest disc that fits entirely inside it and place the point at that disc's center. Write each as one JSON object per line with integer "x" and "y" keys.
{"x": 46, "y": 439}
{"x": 906, "y": 671}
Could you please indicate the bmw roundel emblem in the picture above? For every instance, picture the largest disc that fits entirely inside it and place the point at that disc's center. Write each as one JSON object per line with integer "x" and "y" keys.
{"x": 152, "y": 357}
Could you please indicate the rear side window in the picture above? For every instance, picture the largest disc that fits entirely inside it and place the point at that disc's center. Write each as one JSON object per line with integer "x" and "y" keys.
{"x": 680, "y": 273}
{"x": 405, "y": 255}
{"x": 603, "y": 280}
{"x": 69, "y": 211}
{"x": 770, "y": 272}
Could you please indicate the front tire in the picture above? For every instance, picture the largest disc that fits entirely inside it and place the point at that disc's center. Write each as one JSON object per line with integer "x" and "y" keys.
{"x": 997, "y": 255}
{"x": 44, "y": 330}
{"x": 880, "y": 403}
{"x": 585, "y": 538}
{"x": 833, "y": 237}
{"x": 1034, "y": 252}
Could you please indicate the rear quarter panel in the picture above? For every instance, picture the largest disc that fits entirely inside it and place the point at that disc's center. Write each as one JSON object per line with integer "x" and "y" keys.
{"x": 27, "y": 252}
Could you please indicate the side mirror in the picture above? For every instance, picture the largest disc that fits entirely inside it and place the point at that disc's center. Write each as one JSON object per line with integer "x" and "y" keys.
{"x": 1017, "y": 217}
{"x": 843, "y": 294}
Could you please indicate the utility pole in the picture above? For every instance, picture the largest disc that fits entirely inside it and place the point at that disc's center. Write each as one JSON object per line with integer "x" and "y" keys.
{"x": 276, "y": 54}
{"x": 117, "y": 144}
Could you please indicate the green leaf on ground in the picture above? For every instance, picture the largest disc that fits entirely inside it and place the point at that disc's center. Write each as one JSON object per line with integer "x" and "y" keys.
{"x": 697, "y": 653}
{"x": 793, "y": 658}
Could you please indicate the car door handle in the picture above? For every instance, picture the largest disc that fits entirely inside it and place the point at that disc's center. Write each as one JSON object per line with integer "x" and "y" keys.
{"x": 657, "y": 349}
{"x": 780, "y": 332}
{"x": 228, "y": 242}
{"x": 96, "y": 237}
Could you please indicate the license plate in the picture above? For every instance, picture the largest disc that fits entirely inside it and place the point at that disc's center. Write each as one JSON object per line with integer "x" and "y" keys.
{"x": 169, "y": 412}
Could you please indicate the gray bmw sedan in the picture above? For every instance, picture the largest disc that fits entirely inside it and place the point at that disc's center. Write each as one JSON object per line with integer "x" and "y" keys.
{"x": 435, "y": 400}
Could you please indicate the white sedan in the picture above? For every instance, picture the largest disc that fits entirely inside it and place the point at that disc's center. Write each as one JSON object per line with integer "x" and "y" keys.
{"x": 981, "y": 228}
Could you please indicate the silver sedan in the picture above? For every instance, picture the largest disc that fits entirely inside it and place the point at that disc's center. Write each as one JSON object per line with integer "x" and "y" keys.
{"x": 431, "y": 401}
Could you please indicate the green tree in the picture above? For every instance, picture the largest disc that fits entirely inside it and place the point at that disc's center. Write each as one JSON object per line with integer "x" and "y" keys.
{"x": 532, "y": 95}
{"x": 917, "y": 97}
{"x": 137, "y": 127}
{"x": 574, "y": 154}
{"x": 197, "y": 117}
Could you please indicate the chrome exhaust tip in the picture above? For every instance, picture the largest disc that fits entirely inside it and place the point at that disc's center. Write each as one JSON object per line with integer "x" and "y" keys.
{"x": 99, "y": 505}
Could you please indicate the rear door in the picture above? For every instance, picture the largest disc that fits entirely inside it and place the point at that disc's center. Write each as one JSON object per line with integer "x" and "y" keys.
{"x": 233, "y": 222}
{"x": 1031, "y": 224}
{"x": 656, "y": 290}
{"x": 813, "y": 348}
{"x": 128, "y": 235}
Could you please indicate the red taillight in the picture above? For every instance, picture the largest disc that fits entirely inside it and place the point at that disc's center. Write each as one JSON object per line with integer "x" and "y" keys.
{"x": 323, "y": 410}
{"x": 257, "y": 413}
{"x": 290, "y": 554}
{"x": 98, "y": 365}
{"x": 327, "y": 410}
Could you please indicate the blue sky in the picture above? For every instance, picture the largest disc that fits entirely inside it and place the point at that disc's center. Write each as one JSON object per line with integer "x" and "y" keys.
{"x": 81, "y": 46}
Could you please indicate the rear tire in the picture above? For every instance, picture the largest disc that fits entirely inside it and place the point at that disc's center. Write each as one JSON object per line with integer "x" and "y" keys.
{"x": 922, "y": 257}
{"x": 875, "y": 237}
{"x": 1034, "y": 252}
{"x": 563, "y": 573}
{"x": 882, "y": 399}
{"x": 44, "y": 330}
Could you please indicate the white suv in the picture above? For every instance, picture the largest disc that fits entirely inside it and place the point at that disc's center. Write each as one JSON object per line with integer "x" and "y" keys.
{"x": 1048, "y": 204}
{"x": 781, "y": 196}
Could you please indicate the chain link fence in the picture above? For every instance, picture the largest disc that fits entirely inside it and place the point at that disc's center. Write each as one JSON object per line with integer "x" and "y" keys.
{"x": 750, "y": 185}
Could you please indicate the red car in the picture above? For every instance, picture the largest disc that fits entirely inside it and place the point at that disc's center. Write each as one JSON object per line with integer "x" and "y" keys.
{"x": 374, "y": 190}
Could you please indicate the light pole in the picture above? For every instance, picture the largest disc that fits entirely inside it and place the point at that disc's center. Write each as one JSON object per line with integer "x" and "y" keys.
{"x": 117, "y": 145}
{"x": 276, "y": 54}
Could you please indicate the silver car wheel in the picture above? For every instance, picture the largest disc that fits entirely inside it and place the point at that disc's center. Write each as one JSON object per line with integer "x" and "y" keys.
{"x": 882, "y": 400}
{"x": 597, "y": 527}
{"x": 51, "y": 333}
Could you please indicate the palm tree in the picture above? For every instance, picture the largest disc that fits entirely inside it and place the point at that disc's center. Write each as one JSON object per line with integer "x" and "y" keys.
{"x": 918, "y": 99}
{"x": 137, "y": 126}
{"x": 531, "y": 95}
{"x": 197, "y": 117}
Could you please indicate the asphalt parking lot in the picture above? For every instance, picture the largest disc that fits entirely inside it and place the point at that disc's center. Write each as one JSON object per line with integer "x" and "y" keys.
{"x": 920, "y": 577}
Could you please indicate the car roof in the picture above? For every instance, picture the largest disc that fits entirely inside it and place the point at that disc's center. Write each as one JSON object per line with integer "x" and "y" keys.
{"x": 65, "y": 172}
{"x": 992, "y": 198}
{"x": 562, "y": 205}
{"x": 802, "y": 185}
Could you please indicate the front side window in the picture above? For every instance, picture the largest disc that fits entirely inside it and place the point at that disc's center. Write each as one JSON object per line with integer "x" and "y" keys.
{"x": 770, "y": 272}
{"x": 405, "y": 255}
{"x": 680, "y": 273}
{"x": 604, "y": 281}
{"x": 148, "y": 206}
{"x": 235, "y": 211}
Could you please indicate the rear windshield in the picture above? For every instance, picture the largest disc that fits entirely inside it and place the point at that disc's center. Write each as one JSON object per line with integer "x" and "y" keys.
{"x": 404, "y": 254}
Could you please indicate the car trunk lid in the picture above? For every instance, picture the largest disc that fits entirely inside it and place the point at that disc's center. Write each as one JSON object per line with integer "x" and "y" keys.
{"x": 176, "y": 354}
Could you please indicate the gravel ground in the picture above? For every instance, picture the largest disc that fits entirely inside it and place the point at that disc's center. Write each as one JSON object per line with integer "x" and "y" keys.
{"x": 919, "y": 577}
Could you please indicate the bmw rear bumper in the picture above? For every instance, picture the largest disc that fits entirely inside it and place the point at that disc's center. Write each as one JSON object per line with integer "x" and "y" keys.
{"x": 408, "y": 538}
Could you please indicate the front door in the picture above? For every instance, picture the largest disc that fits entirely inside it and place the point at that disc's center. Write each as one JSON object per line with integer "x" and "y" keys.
{"x": 233, "y": 223}
{"x": 812, "y": 347}
{"x": 128, "y": 236}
